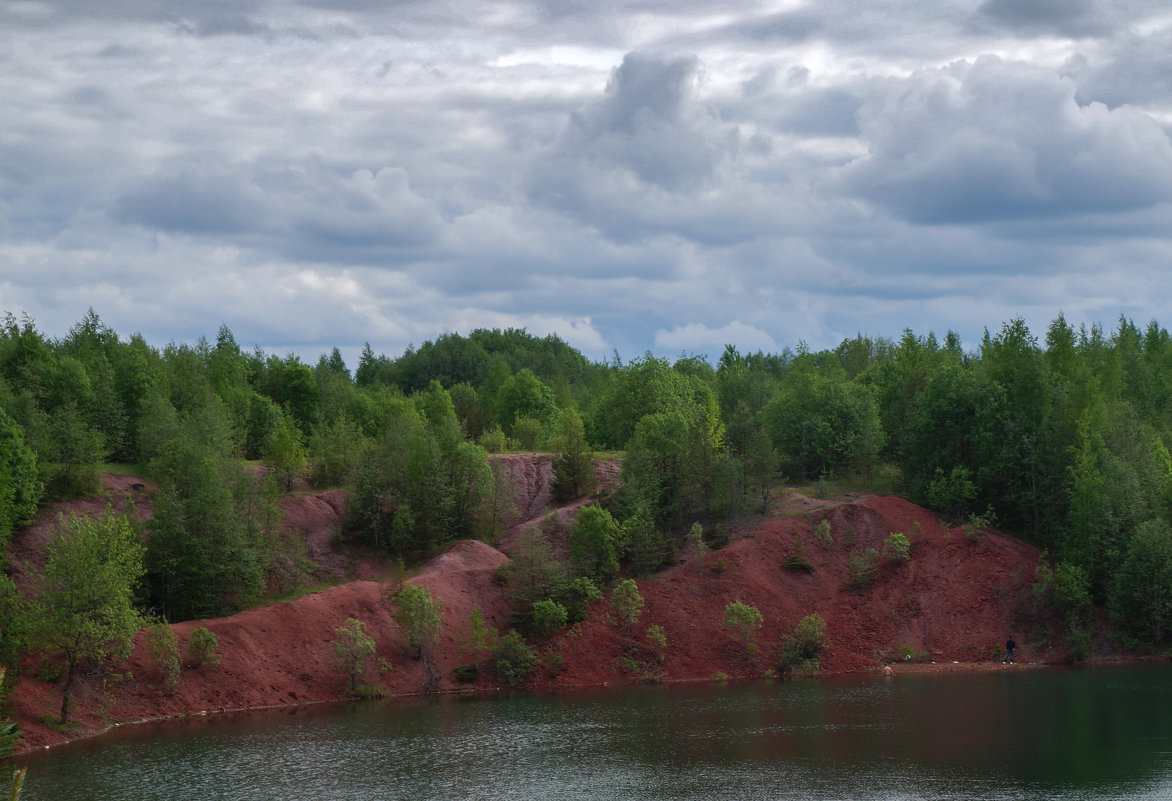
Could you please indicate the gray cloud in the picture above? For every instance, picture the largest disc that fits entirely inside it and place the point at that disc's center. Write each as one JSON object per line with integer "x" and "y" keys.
{"x": 644, "y": 175}
{"x": 998, "y": 141}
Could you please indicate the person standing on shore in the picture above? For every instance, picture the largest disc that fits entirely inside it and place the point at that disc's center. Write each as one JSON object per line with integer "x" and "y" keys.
{"x": 1010, "y": 647}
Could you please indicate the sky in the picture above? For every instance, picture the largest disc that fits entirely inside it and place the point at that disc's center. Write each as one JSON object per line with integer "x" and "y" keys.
{"x": 643, "y": 176}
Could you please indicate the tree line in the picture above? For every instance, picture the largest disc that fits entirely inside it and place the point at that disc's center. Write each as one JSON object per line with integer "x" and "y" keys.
{"x": 1064, "y": 440}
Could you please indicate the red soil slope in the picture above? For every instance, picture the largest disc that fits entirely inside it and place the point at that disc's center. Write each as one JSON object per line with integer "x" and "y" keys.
{"x": 956, "y": 599}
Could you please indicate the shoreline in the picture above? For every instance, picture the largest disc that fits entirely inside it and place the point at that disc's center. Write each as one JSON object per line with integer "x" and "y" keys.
{"x": 899, "y": 668}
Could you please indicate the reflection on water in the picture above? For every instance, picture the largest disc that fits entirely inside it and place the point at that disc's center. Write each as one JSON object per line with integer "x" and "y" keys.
{"x": 1078, "y": 734}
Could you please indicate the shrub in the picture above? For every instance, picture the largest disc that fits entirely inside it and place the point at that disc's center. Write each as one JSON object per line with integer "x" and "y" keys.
{"x": 801, "y": 651}
{"x": 657, "y": 641}
{"x": 797, "y": 560}
{"x": 547, "y": 617}
{"x": 897, "y": 547}
{"x": 418, "y": 617}
{"x": 163, "y": 649}
{"x": 576, "y": 597}
{"x": 822, "y": 533}
{"x": 352, "y": 648}
{"x": 493, "y": 441}
{"x": 743, "y": 621}
{"x": 626, "y": 604}
{"x": 479, "y": 638}
{"x": 466, "y": 674}
{"x": 863, "y": 567}
{"x": 514, "y": 661}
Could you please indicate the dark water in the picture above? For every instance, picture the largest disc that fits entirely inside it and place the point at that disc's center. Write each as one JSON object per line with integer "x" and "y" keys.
{"x": 1075, "y": 734}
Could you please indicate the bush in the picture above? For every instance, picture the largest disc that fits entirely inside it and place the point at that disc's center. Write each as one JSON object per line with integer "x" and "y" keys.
{"x": 822, "y": 533}
{"x": 576, "y": 597}
{"x": 547, "y": 617}
{"x": 466, "y": 674}
{"x": 352, "y": 648}
{"x": 801, "y": 651}
{"x": 863, "y": 567}
{"x": 743, "y": 621}
{"x": 626, "y": 604}
{"x": 514, "y": 661}
{"x": 418, "y": 616}
{"x": 797, "y": 561}
{"x": 897, "y": 547}
{"x": 163, "y": 649}
{"x": 657, "y": 642}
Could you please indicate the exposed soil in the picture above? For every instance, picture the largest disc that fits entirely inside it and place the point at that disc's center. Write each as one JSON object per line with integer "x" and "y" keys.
{"x": 955, "y": 600}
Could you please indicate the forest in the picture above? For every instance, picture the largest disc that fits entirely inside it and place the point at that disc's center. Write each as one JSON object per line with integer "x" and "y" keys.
{"x": 1063, "y": 441}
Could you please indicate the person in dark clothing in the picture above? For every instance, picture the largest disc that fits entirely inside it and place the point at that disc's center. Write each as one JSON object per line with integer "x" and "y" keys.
{"x": 1010, "y": 646}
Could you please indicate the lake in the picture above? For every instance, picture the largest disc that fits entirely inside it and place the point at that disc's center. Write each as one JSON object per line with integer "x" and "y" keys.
{"x": 1102, "y": 733}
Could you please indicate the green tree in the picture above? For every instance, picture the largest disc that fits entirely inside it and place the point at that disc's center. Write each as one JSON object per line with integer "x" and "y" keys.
{"x": 548, "y": 617}
{"x": 743, "y": 621}
{"x": 626, "y": 604}
{"x": 201, "y": 648}
{"x": 85, "y": 604}
{"x": 532, "y": 573}
{"x": 211, "y": 541}
{"x": 573, "y": 467}
{"x": 353, "y": 648}
{"x": 524, "y": 395}
{"x": 514, "y": 661}
{"x": 163, "y": 649}
{"x": 801, "y": 651}
{"x": 285, "y": 453}
{"x": 596, "y": 542}
{"x": 418, "y": 616}
{"x": 1142, "y": 598}
{"x": 20, "y": 487}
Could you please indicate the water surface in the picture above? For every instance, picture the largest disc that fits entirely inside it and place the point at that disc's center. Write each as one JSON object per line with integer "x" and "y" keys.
{"x": 1069, "y": 734}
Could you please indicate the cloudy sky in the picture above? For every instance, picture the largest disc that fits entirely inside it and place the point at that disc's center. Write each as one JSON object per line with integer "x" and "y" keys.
{"x": 652, "y": 175}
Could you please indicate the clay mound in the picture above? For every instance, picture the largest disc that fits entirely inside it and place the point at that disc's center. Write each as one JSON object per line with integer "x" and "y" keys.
{"x": 956, "y": 599}
{"x": 316, "y": 520}
{"x": 121, "y": 494}
{"x": 465, "y": 579}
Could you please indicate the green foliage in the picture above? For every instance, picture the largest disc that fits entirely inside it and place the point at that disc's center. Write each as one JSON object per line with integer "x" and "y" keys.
{"x": 648, "y": 547}
{"x": 797, "y": 561}
{"x": 478, "y": 639}
{"x": 547, "y": 617}
{"x": 285, "y": 453}
{"x": 211, "y": 535}
{"x": 20, "y": 486}
{"x": 743, "y": 621}
{"x": 822, "y": 533}
{"x": 514, "y": 661}
{"x": 596, "y": 541}
{"x": 626, "y": 604}
{"x": 657, "y": 642}
{"x": 801, "y": 652}
{"x": 353, "y": 649}
{"x": 952, "y": 493}
{"x": 821, "y": 422}
{"x": 862, "y": 568}
{"x": 201, "y": 648}
{"x": 576, "y": 596}
{"x": 418, "y": 616}
{"x": 85, "y": 605}
{"x": 1141, "y": 600}
{"x": 163, "y": 649}
{"x": 533, "y": 573}
{"x": 897, "y": 548}
{"x": 573, "y": 467}
{"x": 424, "y": 467}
